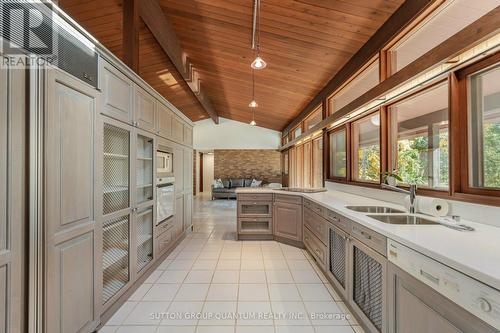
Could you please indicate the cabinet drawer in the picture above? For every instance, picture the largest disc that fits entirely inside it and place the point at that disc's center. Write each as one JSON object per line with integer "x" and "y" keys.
{"x": 308, "y": 204}
{"x": 317, "y": 249}
{"x": 163, "y": 227}
{"x": 255, "y": 226}
{"x": 293, "y": 199}
{"x": 316, "y": 224}
{"x": 337, "y": 220}
{"x": 371, "y": 238}
{"x": 255, "y": 197}
{"x": 255, "y": 209}
{"x": 318, "y": 209}
{"x": 164, "y": 241}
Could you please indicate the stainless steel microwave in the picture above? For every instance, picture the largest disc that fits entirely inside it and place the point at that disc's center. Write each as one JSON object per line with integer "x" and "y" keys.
{"x": 164, "y": 162}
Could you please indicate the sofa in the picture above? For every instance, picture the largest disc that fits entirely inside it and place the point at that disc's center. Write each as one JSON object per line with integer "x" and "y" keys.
{"x": 229, "y": 189}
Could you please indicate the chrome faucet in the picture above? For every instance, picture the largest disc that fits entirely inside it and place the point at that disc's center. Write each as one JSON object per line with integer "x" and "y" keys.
{"x": 412, "y": 192}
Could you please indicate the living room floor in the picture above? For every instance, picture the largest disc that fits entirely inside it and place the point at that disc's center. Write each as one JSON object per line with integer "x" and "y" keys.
{"x": 212, "y": 274}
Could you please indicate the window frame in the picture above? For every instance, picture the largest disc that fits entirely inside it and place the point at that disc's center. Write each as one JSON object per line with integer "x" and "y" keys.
{"x": 382, "y": 143}
{"x": 319, "y": 109}
{"x": 461, "y": 115}
{"x": 425, "y": 190}
{"x": 327, "y": 160}
{"x": 376, "y": 60}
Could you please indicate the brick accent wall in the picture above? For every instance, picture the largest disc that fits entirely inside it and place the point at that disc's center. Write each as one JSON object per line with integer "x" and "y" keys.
{"x": 262, "y": 164}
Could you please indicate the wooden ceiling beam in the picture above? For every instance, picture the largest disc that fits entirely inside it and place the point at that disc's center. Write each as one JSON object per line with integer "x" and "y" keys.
{"x": 395, "y": 24}
{"x": 163, "y": 31}
{"x": 130, "y": 23}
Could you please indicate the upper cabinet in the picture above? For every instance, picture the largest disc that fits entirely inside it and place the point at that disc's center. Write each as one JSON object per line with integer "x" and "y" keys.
{"x": 117, "y": 93}
{"x": 127, "y": 102}
{"x": 188, "y": 135}
{"x": 177, "y": 129}
{"x": 163, "y": 120}
{"x": 144, "y": 112}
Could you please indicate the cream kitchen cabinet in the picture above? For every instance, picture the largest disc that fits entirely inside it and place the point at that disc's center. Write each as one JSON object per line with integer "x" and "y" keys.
{"x": 179, "y": 169}
{"x": 188, "y": 211}
{"x": 414, "y": 307}
{"x": 144, "y": 110}
{"x": 177, "y": 129}
{"x": 163, "y": 120}
{"x": 188, "y": 135}
{"x": 71, "y": 276}
{"x": 13, "y": 198}
{"x": 117, "y": 93}
{"x": 287, "y": 219}
{"x": 127, "y": 201}
{"x": 188, "y": 169}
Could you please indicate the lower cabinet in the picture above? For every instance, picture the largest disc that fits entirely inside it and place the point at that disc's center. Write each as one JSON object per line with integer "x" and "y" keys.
{"x": 288, "y": 221}
{"x": 337, "y": 261}
{"x": 414, "y": 308}
{"x": 317, "y": 249}
{"x": 188, "y": 211}
{"x": 179, "y": 210}
{"x": 367, "y": 285}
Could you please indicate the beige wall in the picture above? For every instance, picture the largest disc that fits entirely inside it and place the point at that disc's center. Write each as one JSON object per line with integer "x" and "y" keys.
{"x": 262, "y": 164}
{"x": 208, "y": 172}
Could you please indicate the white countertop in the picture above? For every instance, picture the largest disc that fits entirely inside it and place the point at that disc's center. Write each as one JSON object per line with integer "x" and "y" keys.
{"x": 475, "y": 253}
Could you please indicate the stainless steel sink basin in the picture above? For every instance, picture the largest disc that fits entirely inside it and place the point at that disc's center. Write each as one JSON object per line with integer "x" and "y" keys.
{"x": 374, "y": 209}
{"x": 402, "y": 219}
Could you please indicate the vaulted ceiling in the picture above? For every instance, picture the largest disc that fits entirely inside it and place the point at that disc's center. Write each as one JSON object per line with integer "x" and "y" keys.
{"x": 304, "y": 42}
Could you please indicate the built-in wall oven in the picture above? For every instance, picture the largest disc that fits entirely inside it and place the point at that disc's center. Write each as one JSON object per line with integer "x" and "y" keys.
{"x": 165, "y": 199}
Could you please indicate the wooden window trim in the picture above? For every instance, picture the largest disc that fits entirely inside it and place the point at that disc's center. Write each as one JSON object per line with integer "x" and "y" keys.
{"x": 461, "y": 133}
{"x": 387, "y": 50}
{"x": 326, "y": 159}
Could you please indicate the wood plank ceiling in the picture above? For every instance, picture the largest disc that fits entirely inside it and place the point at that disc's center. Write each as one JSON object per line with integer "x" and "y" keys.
{"x": 304, "y": 42}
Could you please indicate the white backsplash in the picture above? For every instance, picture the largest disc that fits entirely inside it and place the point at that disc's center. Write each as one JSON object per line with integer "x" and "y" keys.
{"x": 468, "y": 211}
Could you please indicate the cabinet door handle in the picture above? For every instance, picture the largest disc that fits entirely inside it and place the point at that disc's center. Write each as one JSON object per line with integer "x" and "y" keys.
{"x": 367, "y": 236}
{"x": 429, "y": 276}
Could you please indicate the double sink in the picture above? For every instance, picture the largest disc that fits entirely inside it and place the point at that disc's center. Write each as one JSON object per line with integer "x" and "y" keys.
{"x": 391, "y": 215}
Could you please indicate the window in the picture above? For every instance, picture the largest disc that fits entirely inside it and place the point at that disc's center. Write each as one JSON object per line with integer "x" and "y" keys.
{"x": 440, "y": 25}
{"x": 297, "y": 132}
{"x": 338, "y": 154}
{"x": 314, "y": 118}
{"x": 366, "y": 148}
{"x": 484, "y": 128}
{"x": 419, "y": 138}
{"x": 364, "y": 81}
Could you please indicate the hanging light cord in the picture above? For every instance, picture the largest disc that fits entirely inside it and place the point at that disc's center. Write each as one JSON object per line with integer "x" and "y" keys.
{"x": 258, "y": 27}
{"x": 253, "y": 85}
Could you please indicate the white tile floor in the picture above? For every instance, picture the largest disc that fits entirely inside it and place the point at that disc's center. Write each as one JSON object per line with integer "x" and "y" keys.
{"x": 213, "y": 283}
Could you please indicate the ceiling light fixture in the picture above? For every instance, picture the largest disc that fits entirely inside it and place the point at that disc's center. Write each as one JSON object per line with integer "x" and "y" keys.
{"x": 258, "y": 63}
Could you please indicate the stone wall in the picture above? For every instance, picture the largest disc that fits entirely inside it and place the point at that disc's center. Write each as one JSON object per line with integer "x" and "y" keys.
{"x": 262, "y": 164}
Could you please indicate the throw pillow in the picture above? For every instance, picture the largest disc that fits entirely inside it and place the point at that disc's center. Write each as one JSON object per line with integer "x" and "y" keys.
{"x": 256, "y": 183}
{"x": 218, "y": 183}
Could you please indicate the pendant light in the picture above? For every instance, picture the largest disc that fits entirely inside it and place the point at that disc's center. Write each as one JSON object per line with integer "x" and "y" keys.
{"x": 258, "y": 63}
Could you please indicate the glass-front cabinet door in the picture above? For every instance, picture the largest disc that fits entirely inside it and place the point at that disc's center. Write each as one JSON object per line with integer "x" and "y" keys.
{"x": 144, "y": 237}
{"x": 116, "y": 204}
{"x": 144, "y": 168}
